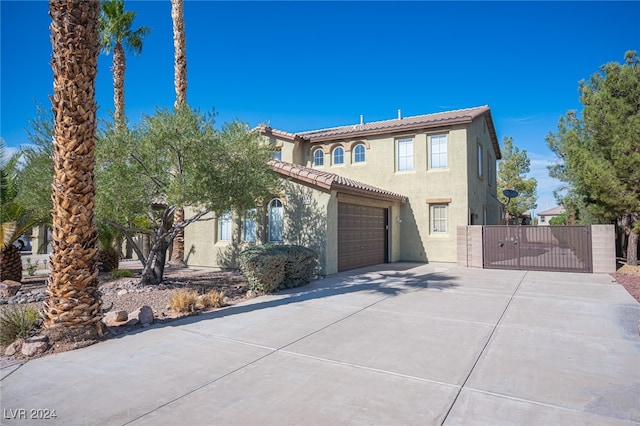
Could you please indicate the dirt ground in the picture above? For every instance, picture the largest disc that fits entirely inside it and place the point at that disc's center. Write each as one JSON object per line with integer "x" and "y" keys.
{"x": 125, "y": 294}
{"x": 629, "y": 278}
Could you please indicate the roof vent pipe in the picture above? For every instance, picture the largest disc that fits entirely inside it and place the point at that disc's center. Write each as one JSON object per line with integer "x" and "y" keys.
{"x": 361, "y": 119}
{"x": 399, "y": 114}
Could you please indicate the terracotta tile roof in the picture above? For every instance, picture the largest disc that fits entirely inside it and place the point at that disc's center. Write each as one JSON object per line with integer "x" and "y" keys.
{"x": 331, "y": 181}
{"x": 418, "y": 122}
{"x": 377, "y": 127}
{"x": 266, "y": 130}
{"x": 552, "y": 212}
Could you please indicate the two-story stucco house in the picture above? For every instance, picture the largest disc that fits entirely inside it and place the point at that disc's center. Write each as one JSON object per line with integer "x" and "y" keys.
{"x": 545, "y": 217}
{"x": 369, "y": 193}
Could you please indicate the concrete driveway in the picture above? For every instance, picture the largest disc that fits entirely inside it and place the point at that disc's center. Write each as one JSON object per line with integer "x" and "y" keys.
{"x": 390, "y": 345}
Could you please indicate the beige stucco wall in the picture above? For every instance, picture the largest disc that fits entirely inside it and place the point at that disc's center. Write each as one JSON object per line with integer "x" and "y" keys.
{"x": 458, "y": 183}
{"x": 484, "y": 207}
{"x": 202, "y": 246}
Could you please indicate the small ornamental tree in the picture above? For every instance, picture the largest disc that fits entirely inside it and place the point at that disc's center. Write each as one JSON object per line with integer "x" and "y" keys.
{"x": 177, "y": 158}
{"x": 512, "y": 170}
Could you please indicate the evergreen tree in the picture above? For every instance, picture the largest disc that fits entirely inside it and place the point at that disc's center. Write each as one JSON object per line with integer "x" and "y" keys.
{"x": 600, "y": 151}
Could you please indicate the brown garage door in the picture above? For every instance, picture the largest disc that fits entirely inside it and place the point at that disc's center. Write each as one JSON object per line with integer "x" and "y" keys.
{"x": 362, "y": 236}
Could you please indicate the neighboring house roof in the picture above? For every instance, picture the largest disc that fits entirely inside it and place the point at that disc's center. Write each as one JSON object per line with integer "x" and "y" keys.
{"x": 418, "y": 122}
{"x": 552, "y": 212}
{"x": 331, "y": 181}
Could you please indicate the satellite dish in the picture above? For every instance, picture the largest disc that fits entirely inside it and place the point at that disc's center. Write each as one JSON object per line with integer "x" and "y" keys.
{"x": 510, "y": 193}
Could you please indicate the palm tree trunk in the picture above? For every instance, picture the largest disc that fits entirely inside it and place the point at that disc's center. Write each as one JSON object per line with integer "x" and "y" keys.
{"x": 180, "y": 52}
{"x": 118, "y": 69}
{"x": 177, "y": 255}
{"x": 72, "y": 306}
{"x": 180, "y": 82}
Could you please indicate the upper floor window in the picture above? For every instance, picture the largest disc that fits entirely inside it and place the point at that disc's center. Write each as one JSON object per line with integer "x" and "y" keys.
{"x": 249, "y": 226}
{"x": 276, "y": 220}
{"x": 359, "y": 154}
{"x": 438, "y": 148}
{"x": 318, "y": 157}
{"x": 277, "y": 155}
{"x": 338, "y": 155}
{"x": 480, "y": 162}
{"x": 224, "y": 227}
{"x": 405, "y": 154}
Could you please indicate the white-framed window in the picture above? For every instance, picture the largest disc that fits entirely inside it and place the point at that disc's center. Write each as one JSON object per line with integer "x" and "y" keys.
{"x": 318, "y": 157}
{"x": 338, "y": 155}
{"x": 438, "y": 149}
{"x": 405, "y": 154}
{"x": 480, "y": 162}
{"x": 277, "y": 155}
{"x": 276, "y": 220}
{"x": 249, "y": 226}
{"x": 438, "y": 218}
{"x": 359, "y": 155}
{"x": 224, "y": 227}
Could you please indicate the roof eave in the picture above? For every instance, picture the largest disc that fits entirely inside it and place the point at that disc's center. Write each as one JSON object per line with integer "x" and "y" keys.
{"x": 398, "y": 129}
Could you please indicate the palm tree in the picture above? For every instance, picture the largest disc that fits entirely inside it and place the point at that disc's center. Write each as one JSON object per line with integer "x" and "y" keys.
{"x": 15, "y": 219}
{"x": 116, "y": 33}
{"x": 180, "y": 82}
{"x": 72, "y": 306}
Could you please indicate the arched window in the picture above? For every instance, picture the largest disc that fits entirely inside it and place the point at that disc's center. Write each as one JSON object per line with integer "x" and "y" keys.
{"x": 318, "y": 157}
{"x": 338, "y": 155}
{"x": 358, "y": 154}
{"x": 276, "y": 220}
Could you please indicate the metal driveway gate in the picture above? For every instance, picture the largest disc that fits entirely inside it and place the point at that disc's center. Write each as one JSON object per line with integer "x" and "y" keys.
{"x": 537, "y": 248}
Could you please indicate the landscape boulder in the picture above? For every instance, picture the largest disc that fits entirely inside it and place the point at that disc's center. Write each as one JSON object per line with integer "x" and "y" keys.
{"x": 36, "y": 345}
{"x": 115, "y": 318}
{"x": 9, "y": 288}
{"x": 143, "y": 315}
{"x": 14, "y": 348}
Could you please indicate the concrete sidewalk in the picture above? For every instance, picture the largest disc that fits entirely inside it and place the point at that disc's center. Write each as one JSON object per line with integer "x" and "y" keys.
{"x": 390, "y": 345}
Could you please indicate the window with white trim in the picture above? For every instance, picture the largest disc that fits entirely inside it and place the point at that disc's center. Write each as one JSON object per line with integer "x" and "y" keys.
{"x": 318, "y": 157}
{"x": 405, "y": 154}
{"x": 249, "y": 226}
{"x": 359, "y": 154}
{"x": 277, "y": 155}
{"x": 276, "y": 220}
{"x": 338, "y": 155}
{"x": 438, "y": 149}
{"x": 439, "y": 218}
{"x": 224, "y": 227}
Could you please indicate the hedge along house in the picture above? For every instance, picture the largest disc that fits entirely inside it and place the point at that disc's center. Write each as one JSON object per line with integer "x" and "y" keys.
{"x": 370, "y": 193}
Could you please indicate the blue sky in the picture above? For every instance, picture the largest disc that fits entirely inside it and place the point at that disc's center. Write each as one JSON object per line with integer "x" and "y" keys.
{"x": 309, "y": 65}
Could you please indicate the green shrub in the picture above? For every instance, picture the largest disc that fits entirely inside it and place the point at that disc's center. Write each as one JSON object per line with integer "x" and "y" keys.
{"x": 121, "y": 273}
{"x": 272, "y": 267}
{"x": 300, "y": 266}
{"x": 263, "y": 267}
{"x": 17, "y": 321}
